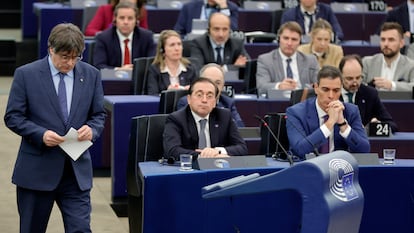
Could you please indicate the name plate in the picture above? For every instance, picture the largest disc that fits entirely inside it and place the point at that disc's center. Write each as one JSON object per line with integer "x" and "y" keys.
{"x": 379, "y": 129}
{"x": 229, "y": 90}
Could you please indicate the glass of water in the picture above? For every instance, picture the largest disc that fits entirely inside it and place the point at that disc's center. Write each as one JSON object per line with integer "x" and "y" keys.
{"x": 186, "y": 162}
{"x": 389, "y": 156}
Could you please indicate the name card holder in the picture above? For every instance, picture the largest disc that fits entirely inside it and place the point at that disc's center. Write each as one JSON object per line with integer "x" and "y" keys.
{"x": 379, "y": 129}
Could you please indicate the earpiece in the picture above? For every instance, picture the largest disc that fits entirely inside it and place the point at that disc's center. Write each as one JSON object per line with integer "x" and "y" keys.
{"x": 162, "y": 50}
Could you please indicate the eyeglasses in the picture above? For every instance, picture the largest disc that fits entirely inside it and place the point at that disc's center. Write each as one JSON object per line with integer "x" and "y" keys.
{"x": 208, "y": 96}
{"x": 66, "y": 58}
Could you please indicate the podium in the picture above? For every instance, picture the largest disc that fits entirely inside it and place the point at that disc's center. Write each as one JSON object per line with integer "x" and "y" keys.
{"x": 332, "y": 199}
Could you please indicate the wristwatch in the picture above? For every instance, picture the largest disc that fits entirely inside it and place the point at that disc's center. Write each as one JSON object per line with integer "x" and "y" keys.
{"x": 342, "y": 124}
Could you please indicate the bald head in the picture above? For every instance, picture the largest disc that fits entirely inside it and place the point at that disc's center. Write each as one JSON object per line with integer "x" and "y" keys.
{"x": 219, "y": 28}
{"x": 215, "y": 73}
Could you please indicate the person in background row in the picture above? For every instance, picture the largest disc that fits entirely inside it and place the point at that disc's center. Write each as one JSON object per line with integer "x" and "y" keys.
{"x": 286, "y": 68}
{"x": 324, "y": 123}
{"x": 201, "y": 129}
{"x": 307, "y": 12}
{"x": 49, "y": 97}
{"x": 118, "y": 46}
{"x": 403, "y": 14}
{"x": 216, "y": 46}
{"x": 170, "y": 70}
{"x": 215, "y": 73}
{"x": 104, "y": 17}
{"x": 321, "y": 46}
{"x": 389, "y": 70}
{"x": 202, "y": 9}
{"x": 365, "y": 97}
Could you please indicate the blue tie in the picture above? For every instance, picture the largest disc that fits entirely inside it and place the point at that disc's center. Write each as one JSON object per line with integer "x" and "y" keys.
{"x": 62, "y": 96}
{"x": 202, "y": 141}
{"x": 289, "y": 73}
{"x": 218, "y": 59}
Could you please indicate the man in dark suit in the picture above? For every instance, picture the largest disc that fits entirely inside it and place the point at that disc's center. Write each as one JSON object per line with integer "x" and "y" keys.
{"x": 365, "y": 97}
{"x": 216, "y": 46}
{"x": 201, "y": 129}
{"x": 285, "y": 68}
{"x": 47, "y": 98}
{"x": 117, "y": 47}
{"x": 215, "y": 73}
{"x": 401, "y": 15}
{"x": 324, "y": 123}
{"x": 308, "y": 11}
{"x": 202, "y": 10}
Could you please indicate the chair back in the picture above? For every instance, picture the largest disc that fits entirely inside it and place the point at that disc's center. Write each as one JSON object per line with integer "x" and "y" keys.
{"x": 144, "y": 145}
{"x": 88, "y": 13}
{"x": 250, "y": 77}
{"x": 297, "y": 96}
{"x": 169, "y": 100}
{"x": 139, "y": 74}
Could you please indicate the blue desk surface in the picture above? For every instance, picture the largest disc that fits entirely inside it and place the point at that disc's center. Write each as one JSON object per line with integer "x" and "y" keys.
{"x": 175, "y": 197}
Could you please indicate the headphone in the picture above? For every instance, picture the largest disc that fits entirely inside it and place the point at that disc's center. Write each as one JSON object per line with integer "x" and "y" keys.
{"x": 162, "y": 49}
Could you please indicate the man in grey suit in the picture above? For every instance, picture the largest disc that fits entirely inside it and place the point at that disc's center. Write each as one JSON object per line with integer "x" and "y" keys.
{"x": 286, "y": 68}
{"x": 49, "y": 97}
{"x": 389, "y": 70}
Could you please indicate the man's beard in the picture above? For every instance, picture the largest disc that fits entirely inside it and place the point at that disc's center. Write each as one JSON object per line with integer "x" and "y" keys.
{"x": 390, "y": 54}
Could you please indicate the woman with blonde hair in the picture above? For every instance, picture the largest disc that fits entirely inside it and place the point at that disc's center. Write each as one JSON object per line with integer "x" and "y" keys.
{"x": 320, "y": 45}
{"x": 170, "y": 70}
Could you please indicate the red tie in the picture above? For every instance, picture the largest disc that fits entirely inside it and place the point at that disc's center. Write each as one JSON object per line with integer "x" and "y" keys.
{"x": 324, "y": 148}
{"x": 127, "y": 56}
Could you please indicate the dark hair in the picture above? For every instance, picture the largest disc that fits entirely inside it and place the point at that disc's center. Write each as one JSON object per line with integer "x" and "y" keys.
{"x": 393, "y": 26}
{"x": 330, "y": 72}
{"x": 203, "y": 80}
{"x": 66, "y": 37}
{"x": 292, "y": 26}
{"x": 128, "y": 5}
{"x": 348, "y": 58}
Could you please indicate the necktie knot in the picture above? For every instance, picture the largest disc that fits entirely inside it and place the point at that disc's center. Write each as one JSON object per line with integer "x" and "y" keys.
{"x": 126, "y": 41}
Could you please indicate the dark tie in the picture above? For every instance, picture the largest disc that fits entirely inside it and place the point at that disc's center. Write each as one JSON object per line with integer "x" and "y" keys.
{"x": 310, "y": 20}
{"x": 62, "y": 96}
{"x": 218, "y": 60}
{"x": 202, "y": 141}
{"x": 350, "y": 95}
{"x": 127, "y": 55}
{"x": 289, "y": 73}
{"x": 324, "y": 148}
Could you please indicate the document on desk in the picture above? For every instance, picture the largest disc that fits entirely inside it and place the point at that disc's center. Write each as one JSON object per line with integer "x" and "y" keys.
{"x": 72, "y": 146}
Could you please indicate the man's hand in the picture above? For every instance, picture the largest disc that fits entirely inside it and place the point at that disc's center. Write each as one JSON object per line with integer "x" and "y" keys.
{"x": 336, "y": 113}
{"x": 51, "y": 138}
{"x": 85, "y": 133}
{"x": 384, "y": 83}
{"x": 240, "y": 61}
{"x": 210, "y": 153}
{"x": 288, "y": 84}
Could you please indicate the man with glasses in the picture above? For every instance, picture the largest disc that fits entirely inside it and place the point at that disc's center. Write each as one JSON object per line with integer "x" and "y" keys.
{"x": 201, "y": 129}
{"x": 49, "y": 98}
{"x": 365, "y": 97}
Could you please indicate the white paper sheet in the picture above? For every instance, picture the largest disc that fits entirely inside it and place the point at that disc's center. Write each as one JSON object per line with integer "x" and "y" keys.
{"x": 72, "y": 146}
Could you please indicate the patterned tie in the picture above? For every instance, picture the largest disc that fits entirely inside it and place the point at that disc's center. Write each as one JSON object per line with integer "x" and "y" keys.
{"x": 324, "y": 148}
{"x": 289, "y": 73}
{"x": 202, "y": 141}
{"x": 127, "y": 55}
{"x": 310, "y": 20}
{"x": 350, "y": 95}
{"x": 218, "y": 59}
{"x": 62, "y": 96}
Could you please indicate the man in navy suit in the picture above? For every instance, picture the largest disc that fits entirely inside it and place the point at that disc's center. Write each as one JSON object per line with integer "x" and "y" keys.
{"x": 183, "y": 128}
{"x": 202, "y": 9}
{"x": 47, "y": 98}
{"x": 324, "y": 123}
{"x": 215, "y": 73}
{"x": 125, "y": 37}
{"x": 365, "y": 97}
{"x": 401, "y": 15}
{"x": 308, "y": 11}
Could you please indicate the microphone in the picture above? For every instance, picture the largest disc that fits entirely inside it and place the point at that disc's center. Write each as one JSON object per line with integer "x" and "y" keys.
{"x": 167, "y": 161}
{"x": 288, "y": 155}
{"x": 315, "y": 150}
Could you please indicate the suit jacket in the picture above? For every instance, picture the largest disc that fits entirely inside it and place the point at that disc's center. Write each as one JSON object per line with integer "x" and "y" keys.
{"x": 224, "y": 102}
{"x": 302, "y": 119}
{"x": 104, "y": 18}
{"x": 192, "y": 10}
{"x": 404, "y": 73}
{"x": 158, "y": 81}
{"x": 270, "y": 70}
{"x": 107, "y": 51}
{"x": 203, "y": 52}
{"x": 181, "y": 135}
{"x": 370, "y": 106}
{"x": 323, "y": 11}
{"x": 33, "y": 107}
{"x": 332, "y": 57}
{"x": 400, "y": 15}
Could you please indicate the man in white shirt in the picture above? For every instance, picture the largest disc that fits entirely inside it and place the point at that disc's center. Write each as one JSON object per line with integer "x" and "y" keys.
{"x": 390, "y": 70}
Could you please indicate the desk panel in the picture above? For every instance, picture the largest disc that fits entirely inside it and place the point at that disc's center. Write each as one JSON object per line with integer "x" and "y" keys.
{"x": 360, "y": 25}
{"x": 166, "y": 192}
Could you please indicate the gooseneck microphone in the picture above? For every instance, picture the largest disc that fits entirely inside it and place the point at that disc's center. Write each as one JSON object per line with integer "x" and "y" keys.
{"x": 170, "y": 160}
{"x": 288, "y": 155}
{"x": 315, "y": 149}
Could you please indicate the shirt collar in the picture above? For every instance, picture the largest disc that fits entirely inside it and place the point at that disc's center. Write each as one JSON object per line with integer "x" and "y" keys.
{"x": 310, "y": 12}
{"x": 319, "y": 110}
{"x": 284, "y": 57}
{"x": 197, "y": 118}
{"x": 410, "y": 6}
{"x": 55, "y": 71}
{"x": 181, "y": 68}
{"x": 393, "y": 63}
{"x": 122, "y": 37}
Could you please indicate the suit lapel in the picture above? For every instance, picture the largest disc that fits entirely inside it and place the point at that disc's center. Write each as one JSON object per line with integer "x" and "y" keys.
{"x": 78, "y": 88}
{"x": 214, "y": 129}
{"x": 279, "y": 64}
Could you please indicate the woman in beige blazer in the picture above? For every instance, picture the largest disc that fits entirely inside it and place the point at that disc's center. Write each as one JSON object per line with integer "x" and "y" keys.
{"x": 320, "y": 44}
